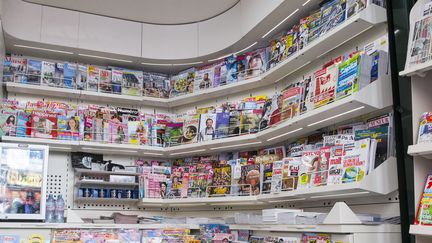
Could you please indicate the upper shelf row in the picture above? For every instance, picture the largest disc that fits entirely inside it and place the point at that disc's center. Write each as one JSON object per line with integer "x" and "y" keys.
{"x": 350, "y": 29}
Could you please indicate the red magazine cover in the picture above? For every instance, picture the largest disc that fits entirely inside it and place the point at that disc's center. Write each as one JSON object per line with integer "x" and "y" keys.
{"x": 43, "y": 124}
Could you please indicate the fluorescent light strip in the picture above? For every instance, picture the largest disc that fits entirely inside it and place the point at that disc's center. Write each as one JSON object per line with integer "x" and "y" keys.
{"x": 285, "y": 19}
{"x": 106, "y": 58}
{"x": 44, "y": 49}
{"x": 278, "y": 136}
{"x": 244, "y": 49}
{"x": 60, "y": 148}
{"x": 304, "y": 4}
{"x": 187, "y": 152}
{"x": 341, "y": 195}
{"x": 157, "y": 154}
{"x": 156, "y": 64}
{"x": 109, "y": 150}
{"x": 235, "y": 145}
{"x": 227, "y": 55}
{"x": 184, "y": 64}
{"x": 289, "y": 200}
{"x": 335, "y": 116}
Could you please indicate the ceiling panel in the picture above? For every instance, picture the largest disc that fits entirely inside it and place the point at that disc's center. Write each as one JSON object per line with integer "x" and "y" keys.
{"x": 148, "y": 11}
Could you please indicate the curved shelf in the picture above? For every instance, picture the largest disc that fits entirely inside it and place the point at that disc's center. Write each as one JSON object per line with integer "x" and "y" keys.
{"x": 371, "y": 16}
{"x": 376, "y": 183}
{"x": 105, "y": 200}
{"x": 421, "y": 230}
{"x": 418, "y": 69}
{"x": 80, "y": 171}
{"x": 322, "y": 228}
{"x": 385, "y": 228}
{"x": 375, "y": 97}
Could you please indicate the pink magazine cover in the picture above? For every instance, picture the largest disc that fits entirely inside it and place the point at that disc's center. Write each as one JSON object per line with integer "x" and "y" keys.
{"x": 119, "y": 132}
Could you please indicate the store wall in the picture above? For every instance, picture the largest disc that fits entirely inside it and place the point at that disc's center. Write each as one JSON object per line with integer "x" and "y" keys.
{"x": 2, "y": 55}
{"x": 73, "y": 29}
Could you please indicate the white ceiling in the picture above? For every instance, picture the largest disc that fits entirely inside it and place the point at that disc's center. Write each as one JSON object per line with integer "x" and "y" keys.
{"x": 147, "y": 11}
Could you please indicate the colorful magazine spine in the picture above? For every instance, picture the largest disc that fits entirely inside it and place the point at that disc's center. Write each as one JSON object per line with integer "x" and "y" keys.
{"x": 70, "y": 73}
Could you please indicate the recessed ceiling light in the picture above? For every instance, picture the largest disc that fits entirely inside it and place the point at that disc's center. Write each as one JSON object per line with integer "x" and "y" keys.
{"x": 304, "y": 4}
{"x": 44, "y": 49}
{"x": 285, "y": 19}
{"x": 106, "y": 58}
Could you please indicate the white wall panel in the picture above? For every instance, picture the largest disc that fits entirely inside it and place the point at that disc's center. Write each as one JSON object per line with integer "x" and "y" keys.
{"x": 59, "y": 27}
{"x": 170, "y": 41}
{"x": 220, "y": 32}
{"x": 22, "y": 20}
{"x": 109, "y": 35}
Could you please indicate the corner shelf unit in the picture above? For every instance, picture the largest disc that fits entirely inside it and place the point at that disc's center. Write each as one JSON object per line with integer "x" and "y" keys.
{"x": 375, "y": 97}
{"x": 376, "y": 183}
{"x": 372, "y": 16}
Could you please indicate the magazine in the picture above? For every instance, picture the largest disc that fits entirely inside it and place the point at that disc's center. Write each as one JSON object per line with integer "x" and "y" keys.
{"x": 315, "y": 238}
{"x": 58, "y": 75}
{"x": 425, "y": 128}
{"x": 290, "y": 102}
{"x": 48, "y": 70}
{"x": 310, "y": 160}
{"x": 249, "y": 182}
{"x": 221, "y": 183}
{"x": 333, "y": 13}
{"x": 207, "y": 129}
{"x": 250, "y": 121}
{"x": 119, "y": 132}
{"x": 8, "y": 122}
{"x": 231, "y": 69}
{"x": 7, "y": 69}
{"x": 43, "y": 125}
{"x": 156, "y": 85}
{"x": 325, "y": 84}
{"x": 290, "y": 173}
{"x": 190, "y": 129}
{"x": 425, "y": 206}
{"x": 19, "y": 69}
{"x": 22, "y": 124}
{"x": 355, "y": 161}
{"x": 132, "y": 82}
{"x": 68, "y": 127}
{"x": 320, "y": 177}
{"x": 204, "y": 78}
{"x": 335, "y": 165}
{"x": 222, "y": 124}
{"x": 219, "y": 77}
{"x": 34, "y": 71}
{"x": 70, "y": 73}
{"x": 256, "y": 63}
{"x": 93, "y": 78}
{"x": 241, "y": 67}
{"x": 354, "y": 6}
{"x": 420, "y": 49}
{"x": 81, "y": 78}
{"x": 354, "y": 74}
{"x": 267, "y": 177}
{"x": 173, "y": 133}
{"x": 105, "y": 85}
{"x": 313, "y": 23}
{"x": 116, "y": 81}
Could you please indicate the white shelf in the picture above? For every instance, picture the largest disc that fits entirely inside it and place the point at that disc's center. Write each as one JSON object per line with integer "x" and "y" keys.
{"x": 423, "y": 149}
{"x": 342, "y": 229}
{"x": 105, "y": 183}
{"x": 417, "y": 69}
{"x": 376, "y": 183}
{"x": 376, "y": 96}
{"x": 93, "y": 226}
{"x": 421, "y": 230}
{"x": 96, "y": 172}
{"x": 105, "y": 200}
{"x": 371, "y": 16}
{"x": 194, "y": 202}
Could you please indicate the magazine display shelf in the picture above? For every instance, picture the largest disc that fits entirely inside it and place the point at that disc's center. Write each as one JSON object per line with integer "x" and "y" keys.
{"x": 421, "y": 230}
{"x": 105, "y": 200}
{"x": 104, "y": 183}
{"x": 374, "y": 97}
{"x": 343, "y": 229}
{"x": 371, "y": 16}
{"x": 376, "y": 183}
{"x": 322, "y": 228}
